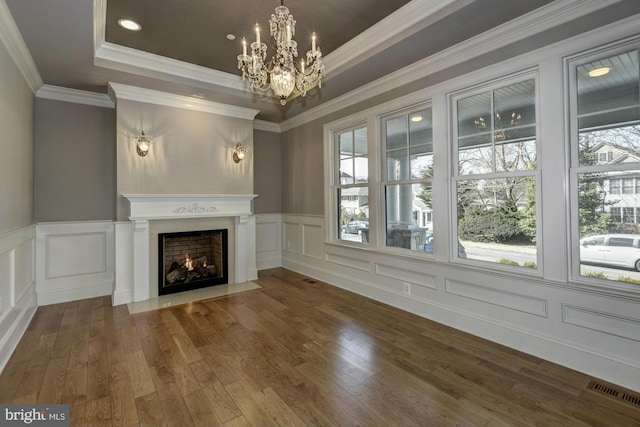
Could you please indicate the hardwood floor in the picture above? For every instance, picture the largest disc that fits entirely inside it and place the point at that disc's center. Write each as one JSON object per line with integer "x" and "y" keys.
{"x": 296, "y": 352}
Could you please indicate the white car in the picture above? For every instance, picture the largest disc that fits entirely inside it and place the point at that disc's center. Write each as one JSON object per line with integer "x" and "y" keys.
{"x": 618, "y": 250}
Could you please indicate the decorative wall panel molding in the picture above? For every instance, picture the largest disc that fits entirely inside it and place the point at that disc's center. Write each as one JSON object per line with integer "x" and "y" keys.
{"x": 511, "y": 300}
{"x": 17, "y": 288}
{"x": 268, "y": 241}
{"x": 75, "y": 261}
{"x": 608, "y": 323}
{"x": 406, "y": 275}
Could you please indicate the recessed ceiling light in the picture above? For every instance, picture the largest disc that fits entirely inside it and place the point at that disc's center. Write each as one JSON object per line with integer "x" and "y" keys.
{"x": 129, "y": 24}
{"x": 416, "y": 118}
{"x": 198, "y": 95}
{"x": 600, "y": 71}
{"x": 231, "y": 36}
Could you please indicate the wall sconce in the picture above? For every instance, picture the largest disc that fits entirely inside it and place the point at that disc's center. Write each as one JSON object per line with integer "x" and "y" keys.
{"x": 143, "y": 144}
{"x": 239, "y": 152}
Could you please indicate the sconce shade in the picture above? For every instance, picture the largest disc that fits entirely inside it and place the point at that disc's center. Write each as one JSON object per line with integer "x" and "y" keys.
{"x": 239, "y": 152}
{"x": 143, "y": 144}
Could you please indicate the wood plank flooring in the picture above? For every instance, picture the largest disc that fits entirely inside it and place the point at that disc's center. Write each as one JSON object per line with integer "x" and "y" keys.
{"x": 296, "y": 352}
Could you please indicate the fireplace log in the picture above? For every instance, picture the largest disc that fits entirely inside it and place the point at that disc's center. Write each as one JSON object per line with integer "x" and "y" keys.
{"x": 176, "y": 274}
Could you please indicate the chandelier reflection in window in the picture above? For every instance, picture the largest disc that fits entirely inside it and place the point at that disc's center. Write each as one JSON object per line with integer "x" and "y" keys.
{"x": 499, "y": 136}
{"x": 281, "y": 73}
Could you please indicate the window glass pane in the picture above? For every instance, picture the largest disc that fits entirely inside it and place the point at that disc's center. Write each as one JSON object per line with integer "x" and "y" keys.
{"x": 516, "y": 156}
{"x": 475, "y": 161}
{"x": 353, "y": 161}
{"x": 421, "y": 158}
{"x": 497, "y": 220}
{"x": 354, "y": 214}
{"x": 360, "y": 142}
{"x": 409, "y": 215}
{"x": 474, "y": 114}
{"x": 396, "y": 133}
{"x": 397, "y": 165}
{"x": 420, "y": 128}
{"x": 346, "y": 144}
{"x": 515, "y": 105}
{"x": 623, "y": 144}
{"x": 608, "y": 227}
{"x": 616, "y": 88}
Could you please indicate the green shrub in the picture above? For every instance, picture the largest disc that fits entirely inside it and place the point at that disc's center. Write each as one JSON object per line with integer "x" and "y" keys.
{"x": 530, "y": 264}
{"x": 507, "y": 261}
{"x": 596, "y": 275}
{"x": 628, "y": 280}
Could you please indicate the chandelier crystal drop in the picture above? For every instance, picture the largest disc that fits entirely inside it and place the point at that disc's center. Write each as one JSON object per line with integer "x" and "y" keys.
{"x": 281, "y": 73}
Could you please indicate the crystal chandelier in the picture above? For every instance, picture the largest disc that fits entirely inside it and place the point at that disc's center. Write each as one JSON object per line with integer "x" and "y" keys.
{"x": 281, "y": 72}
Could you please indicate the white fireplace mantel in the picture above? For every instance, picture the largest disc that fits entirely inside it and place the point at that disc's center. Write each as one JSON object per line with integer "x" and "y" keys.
{"x": 167, "y": 206}
{"x": 134, "y": 263}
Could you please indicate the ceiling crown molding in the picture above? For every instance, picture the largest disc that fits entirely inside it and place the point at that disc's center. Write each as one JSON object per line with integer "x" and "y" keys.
{"x": 133, "y": 93}
{"x": 405, "y": 21}
{"x": 554, "y": 14}
{"x": 17, "y": 48}
{"x": 76, "y": 96}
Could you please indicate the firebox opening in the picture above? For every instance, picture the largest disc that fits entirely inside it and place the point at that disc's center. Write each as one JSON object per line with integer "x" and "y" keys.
{"x": 191, "y": 260}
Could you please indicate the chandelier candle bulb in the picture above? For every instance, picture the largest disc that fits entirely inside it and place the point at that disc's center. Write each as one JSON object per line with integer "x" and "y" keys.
{"x": 258, "y": 35}
{"x": 302, "y": 65}
{"x": 244, "y": 47}
{"x": 313, "y": 43}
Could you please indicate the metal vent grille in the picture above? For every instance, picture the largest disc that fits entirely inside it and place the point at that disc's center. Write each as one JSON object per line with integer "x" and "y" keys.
{"x": 612, "y": 391}
{"x": 310, "y": 281}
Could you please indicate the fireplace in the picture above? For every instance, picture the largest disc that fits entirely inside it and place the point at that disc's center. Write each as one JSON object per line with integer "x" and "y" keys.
{"x": 192, "y": 260}
{"x": 154, "y": 214}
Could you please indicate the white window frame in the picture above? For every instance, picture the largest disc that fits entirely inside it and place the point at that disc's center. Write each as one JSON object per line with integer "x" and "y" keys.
{"x": 332, "y": 165}
{"x": 575, "y": 169}
{"x": 456, "y": 176}
{"x": 385, "y": 181}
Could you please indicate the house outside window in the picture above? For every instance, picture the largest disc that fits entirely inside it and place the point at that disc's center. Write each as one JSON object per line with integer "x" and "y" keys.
{"x": 605, "y": 112}
{"x": 408, "y": 173}
{"x": 497, "y": 173}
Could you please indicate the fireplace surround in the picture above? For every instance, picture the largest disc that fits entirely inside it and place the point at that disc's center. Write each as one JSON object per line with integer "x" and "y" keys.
{"x": 151, "y": 214}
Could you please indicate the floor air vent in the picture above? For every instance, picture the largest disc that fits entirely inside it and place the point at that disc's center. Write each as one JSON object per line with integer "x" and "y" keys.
{"x": 310, "y": 281}
{"x": 612, "y": 391}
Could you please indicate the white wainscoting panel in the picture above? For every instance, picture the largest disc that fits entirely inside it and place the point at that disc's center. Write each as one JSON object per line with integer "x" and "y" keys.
{"x": 312, "y": 240}
{"x": 18, "y": 301}
{"x": 406, "y": 275}
{"x": 609, "y": 323}
{"x": 75, "y": 260}
{"x": 268, "y": 241}
{"x": 512, "y": 300}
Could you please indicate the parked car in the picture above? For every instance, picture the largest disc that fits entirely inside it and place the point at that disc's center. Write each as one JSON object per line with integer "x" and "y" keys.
{"x": 355, "y": 227}
{"x": 428, "y": 246}
{"x": 618, "y": 250}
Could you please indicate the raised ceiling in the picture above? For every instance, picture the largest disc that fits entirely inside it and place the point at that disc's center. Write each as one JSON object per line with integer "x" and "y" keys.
{"x": 183, "y": 49}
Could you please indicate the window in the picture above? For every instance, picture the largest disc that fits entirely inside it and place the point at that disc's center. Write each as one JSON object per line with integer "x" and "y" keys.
{"x": 408, "y": 163}
{"x": 627, "y": 215}
{"x": 605, "y": 112}
{"x": 495, "y": 186}
{"x": 353, "y": 188}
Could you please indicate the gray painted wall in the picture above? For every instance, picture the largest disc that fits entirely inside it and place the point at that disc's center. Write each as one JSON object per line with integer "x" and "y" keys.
{"x": 191, "y": 153}
{"x": 16, "y": 144}
{"x": 75, "y": 162}
{"x": 267, "y": 166}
